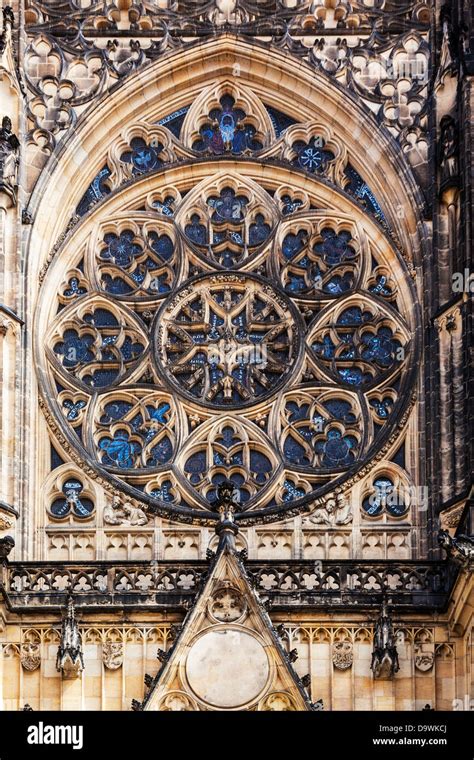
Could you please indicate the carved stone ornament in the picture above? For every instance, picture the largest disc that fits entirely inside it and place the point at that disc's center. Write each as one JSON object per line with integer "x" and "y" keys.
{"x": 227, "y": 605}
{"x": 70, "y": 658}
{"x": 450, "y": 518}
{"x": 342, "y": 655}
{"x": 6, "y": 545}
{"x": 30, "y": 656}
{"x": 448, "y": 149}
{"x": 178, "y": 701}
{"x": 277, "y": 702}
{"x": 335, "y": 511}
{"x": 424, "y": 657}
{"x": 459, "y": 549}
{"x": 8, "y": 154}
{"x": 5, "y": 522}
{"x": 384, "y": 663}
{"x": 112, "y": 655}
{"x": 117, "y": 513}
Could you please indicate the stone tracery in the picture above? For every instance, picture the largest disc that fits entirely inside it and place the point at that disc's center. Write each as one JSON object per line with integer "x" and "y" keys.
{"x": 225, "y": 296}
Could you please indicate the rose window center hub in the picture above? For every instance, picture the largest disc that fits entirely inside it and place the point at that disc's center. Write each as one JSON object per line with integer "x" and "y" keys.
{"x": 228, "y": 340}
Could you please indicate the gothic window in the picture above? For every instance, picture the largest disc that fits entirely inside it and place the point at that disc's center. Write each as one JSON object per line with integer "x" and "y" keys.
{"x": 227, "y": 325}
{"x": 71, "y": 502}
{"x": 141, "y": 156}
{"x": 227, "y": 130}
{"x": 311, "y": 156}
{"x": 386, "y": 495}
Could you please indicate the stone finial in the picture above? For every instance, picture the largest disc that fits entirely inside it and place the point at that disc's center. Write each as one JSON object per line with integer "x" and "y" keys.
{"x": 70, "y": 659}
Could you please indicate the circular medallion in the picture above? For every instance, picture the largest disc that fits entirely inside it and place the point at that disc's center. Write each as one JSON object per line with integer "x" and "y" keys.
{"x": 227, "y": 605}
{"x": 227, "y": 340}
{"x": 227, "y": 668}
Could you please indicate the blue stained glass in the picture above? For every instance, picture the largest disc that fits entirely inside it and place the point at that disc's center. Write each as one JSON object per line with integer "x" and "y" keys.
{"x": 116, "y": 285}
{"x": 289, "y": 205}
{"x": 297, "y": 412}
{"x": 119, "y": 450}
{"x": 73, "y": 408}
{"x": 311, "y": 156}
{"x": 97, "y": 190}
{"x": 334, "y": 247}
{"x": 293, "y": 244}
{"x": 228, "y": 258}
{"x": 75, "y": 349}
{"x": 121, "y": 249}
{"x": 115, "y": 410}
{"x": 294, "y": 451}
{"x": 160, "y": 414}
{"x": 136, "y": 422}
{"x": 355, "y": 376}
{"x": 197, "y": 463}
{"x": 101, "y": 378}
{"x": 73, "y": 289}
{"x": 72, "y": 501}
{"x": 295, "y": 284}
{"x": 196, "y": 231}
{"x": 164, "y": 492}
{"x": 340, "y": 410}
{"x": 226, "y": 131}
{"x": 354, "y": 316}
{"x": 143, "y": 157}
{"x": 259, "y": 463}
{"x": 162, "y": 245}
{"x": 361, "y": 190}
{"x": 337, "y": 284}
{"x": 228, "y": 206}
{"x": 326, "y": 349}
{"x": 60, "y": 508}
{"x": 162, "y": 452}
{"x": 259, "y": 230}
{"x": 130, "y": 350}
{"x": 228, "y": 438}
{"x": 165, "y": 208}
{"x": 381, "y": 287}
{"x": 280, "y": 121}
{"x": 384, "y": 496}
{"x": 337, "y": 449}
{"x": 174, "y": 121}
{"x": 383, "y": 407}
{"x": 381, "y": 347}
{"x": 291, "y": 492}
{"x": 101, "y": 318}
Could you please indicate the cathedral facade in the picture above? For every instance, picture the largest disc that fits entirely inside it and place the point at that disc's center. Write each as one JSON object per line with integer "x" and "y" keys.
{"x": 235, "y": 313}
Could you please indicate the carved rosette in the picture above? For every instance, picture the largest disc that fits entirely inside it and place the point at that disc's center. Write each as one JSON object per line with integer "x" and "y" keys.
{"x": 227, "y": 605}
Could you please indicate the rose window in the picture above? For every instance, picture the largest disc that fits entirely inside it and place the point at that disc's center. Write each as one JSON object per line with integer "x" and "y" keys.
{"x": 226, "y": 327}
